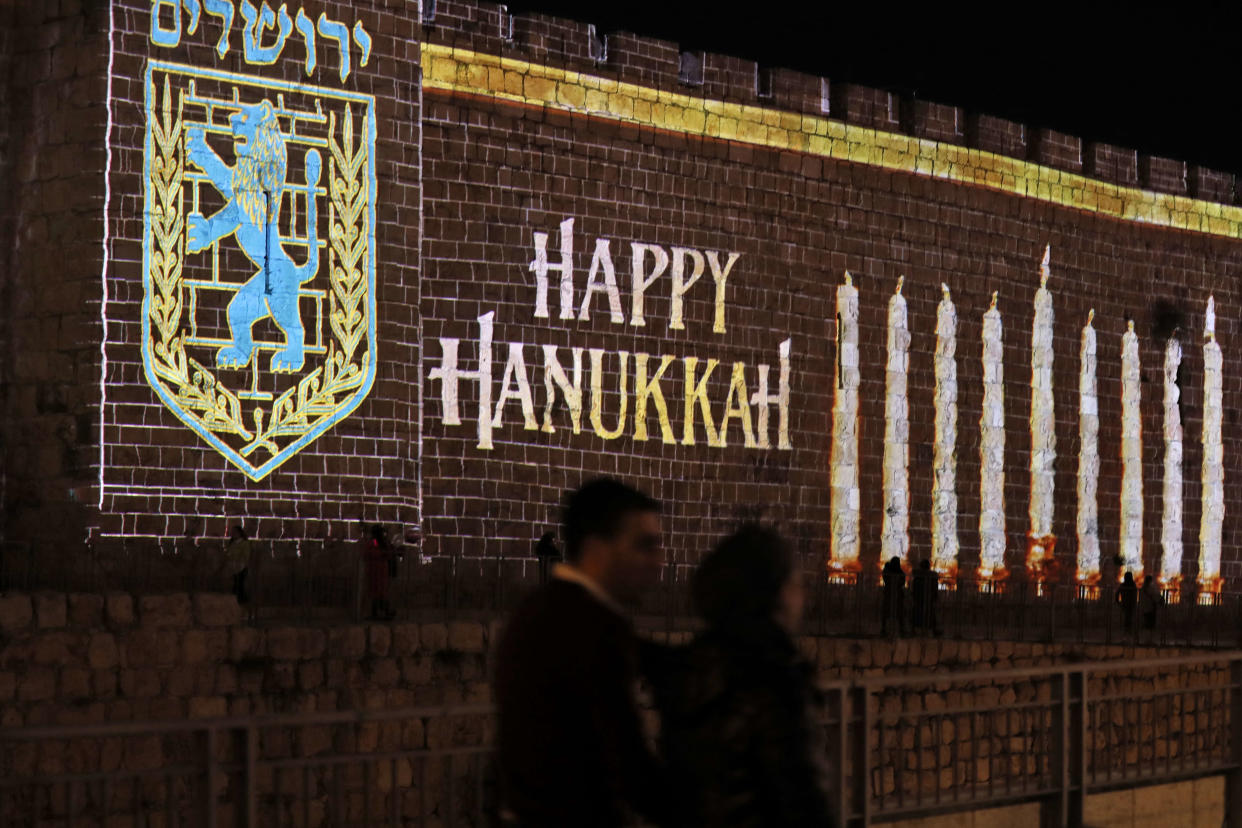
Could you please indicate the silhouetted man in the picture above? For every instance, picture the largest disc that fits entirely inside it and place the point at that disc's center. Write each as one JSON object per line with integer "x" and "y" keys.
{"x": 571, "y": 748}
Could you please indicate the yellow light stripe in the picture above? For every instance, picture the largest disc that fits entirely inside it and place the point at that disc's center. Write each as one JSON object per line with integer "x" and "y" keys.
{"x": 476, "y": 73}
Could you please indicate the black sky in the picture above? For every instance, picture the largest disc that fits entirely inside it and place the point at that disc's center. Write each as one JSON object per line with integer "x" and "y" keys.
{"x": 1167, "y": 82}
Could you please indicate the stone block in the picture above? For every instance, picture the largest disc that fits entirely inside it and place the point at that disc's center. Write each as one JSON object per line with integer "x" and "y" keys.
{"x": 226, "y": 680}
{"x": 51, "y": 610}
{"x": 119, "y": 608}
{"x": 416, "y": 671}
{"x": 245, "y": 642}
{"x": 208, "y": 707}
{"x": 16, "y": 613}
{"x": 86, "y": 610}
{"x": 37, "y": 684}
{"x": 75, "y": 683}
{"x": 379, "y": 637}
{"x": 433, "y": 637}
{"x": 165, "y": 610}
{"x": 284, "y": 643}
{"x": 141, "y": 683}
{"x": 103, "y": 684}
{"x": 193, "y": 647}
{"x": 213, "y": 609}
{"x": 349, "y": 643}
{"x": 404, "y": 640}
{"x": 145, "y": 647}
{"x": 466, "y": 637}
{"x": 314, "y": 643}
{"x": 8, "y": 685}
{"x": 384, "y": 672}
{"x": 310, "y": 675}
{"x": 52, "y": 649}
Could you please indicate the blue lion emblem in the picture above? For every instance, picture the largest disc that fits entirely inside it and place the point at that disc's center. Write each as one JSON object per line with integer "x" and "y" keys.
{"x": 253, "y": 188}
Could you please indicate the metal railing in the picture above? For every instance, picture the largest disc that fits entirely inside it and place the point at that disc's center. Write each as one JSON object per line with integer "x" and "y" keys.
{"x": 900, "y": 747}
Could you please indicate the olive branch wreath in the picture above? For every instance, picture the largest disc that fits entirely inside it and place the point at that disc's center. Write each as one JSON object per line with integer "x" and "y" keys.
{"x": 315, "y": 397}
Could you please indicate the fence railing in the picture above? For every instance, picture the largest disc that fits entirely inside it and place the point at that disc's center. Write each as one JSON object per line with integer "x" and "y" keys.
{"x": 898, "y": 746}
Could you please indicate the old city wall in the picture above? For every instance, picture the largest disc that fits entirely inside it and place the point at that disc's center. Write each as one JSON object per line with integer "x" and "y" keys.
{"x": 689, "y": 342}
{"x": 643, "y": 147}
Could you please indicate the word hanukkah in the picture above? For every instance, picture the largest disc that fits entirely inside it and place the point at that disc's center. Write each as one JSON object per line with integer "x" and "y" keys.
{"x": 639, "y": 378}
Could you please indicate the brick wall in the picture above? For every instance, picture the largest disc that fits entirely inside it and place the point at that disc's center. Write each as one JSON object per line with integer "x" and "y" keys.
{"x": 498, "y": 172}
{"x": 164, "y": 486}
{"x": 464, "y": 182}
{"x": 51, "y": 163}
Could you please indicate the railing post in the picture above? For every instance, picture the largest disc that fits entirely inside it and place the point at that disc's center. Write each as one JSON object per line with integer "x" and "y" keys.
{"x": 862, "y": 754}
{"x": 1065, "y": 808}
{"x": 252, "y": 781}
{"x": 213, "y": 776}
{"x": 1233, "y": 779}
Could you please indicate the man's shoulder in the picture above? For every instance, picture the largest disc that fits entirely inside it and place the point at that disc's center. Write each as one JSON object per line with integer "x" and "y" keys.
{"x": 562, "y": 607}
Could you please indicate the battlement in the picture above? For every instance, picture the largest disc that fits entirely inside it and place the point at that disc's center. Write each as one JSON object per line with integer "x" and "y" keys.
{"x": 660, "y": 64}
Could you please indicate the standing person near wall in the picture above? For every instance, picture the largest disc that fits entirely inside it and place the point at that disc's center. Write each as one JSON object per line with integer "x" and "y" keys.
{"x": 238, "y": 556}
{"x": 571, "y": 748}
{"x": 738, "y": 705}
{"x": 378, "y": 559}
{"x": 893, "y": 599}
{"x": 926, "y": 588}
{"x": 1150, "y": 601}
{"x": 548, "y": 554}
{"x": 1127, "y": 597}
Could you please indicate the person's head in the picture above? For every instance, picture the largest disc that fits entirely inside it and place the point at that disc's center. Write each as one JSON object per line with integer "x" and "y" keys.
{"x": 612, "y": 533}
{"x": 238, "y": 533}
{"x": 1149, "y": 581}
{"x": 925, "y": 564}
{"x": 749, "y": 578}
{"x": 894, "y": 562}
{"x": 378, "y": 533}
{"x": 1129, "y": 578}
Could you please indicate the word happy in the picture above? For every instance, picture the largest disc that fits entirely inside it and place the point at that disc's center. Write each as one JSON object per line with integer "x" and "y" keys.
{"x": 642, "y": 388}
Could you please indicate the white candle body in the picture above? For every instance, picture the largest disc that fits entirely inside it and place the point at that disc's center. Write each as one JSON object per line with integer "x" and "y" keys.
{"x": 992, "y": 449}
{"x": 944, "y": 486}
{"x": 1088, "y": 460}
{"x": 1131, "y": 457}
{"x": 894, "y": 534}
{"x": 1213, "y": 473}
{"x": 845, "y": 495}
{"x": 1171, "y": 518}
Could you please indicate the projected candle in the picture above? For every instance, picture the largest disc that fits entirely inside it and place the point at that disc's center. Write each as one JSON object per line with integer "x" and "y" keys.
{"x": 1043, "y": 431}
{"x": 1171, "y": 518}
{"x": 894, "y": 534}
{"x": 1088, "y": 459}
{"x": 992, "y": 449}
{"x": 845, "y": 499}
{"x": 1131, "y": 456}
{"x": 1213, "y": 472}
{"x": 944, "y": 486}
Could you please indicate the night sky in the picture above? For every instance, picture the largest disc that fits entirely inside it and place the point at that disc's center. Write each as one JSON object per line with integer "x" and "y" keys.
{"x": 1166, "y": 82}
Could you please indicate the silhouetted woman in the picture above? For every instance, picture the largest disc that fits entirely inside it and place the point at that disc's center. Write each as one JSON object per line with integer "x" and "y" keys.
{"x": 737, "y": 706}
{"x": 1127, "y": 597}
{"x": 378, "y": 556}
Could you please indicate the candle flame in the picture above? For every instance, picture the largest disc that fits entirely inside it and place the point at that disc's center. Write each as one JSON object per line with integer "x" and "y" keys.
{"x": 944, "y": 289}
{"x": 1209, "y": 319}
{"x": 994, "y": 295}
{"x": 1044, "y": 273}
{"x": 1090, "y": 316}
{"x": 849, "y": 280}
{"x": 900, "y": 281}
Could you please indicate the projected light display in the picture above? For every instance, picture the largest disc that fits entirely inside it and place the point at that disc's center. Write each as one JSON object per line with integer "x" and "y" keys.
{"x": 259, "y": 239}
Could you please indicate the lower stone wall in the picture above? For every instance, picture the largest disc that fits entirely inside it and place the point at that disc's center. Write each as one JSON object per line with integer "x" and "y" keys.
{"x": 86, "y": 659}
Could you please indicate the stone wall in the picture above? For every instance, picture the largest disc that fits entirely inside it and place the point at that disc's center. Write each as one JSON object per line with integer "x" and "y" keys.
{"x": 84, "y": 659}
